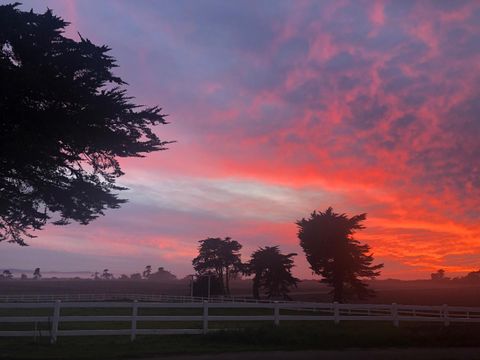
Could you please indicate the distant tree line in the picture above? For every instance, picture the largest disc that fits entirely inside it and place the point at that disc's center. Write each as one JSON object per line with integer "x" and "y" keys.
{"x": 472, "y": 277}
{"x": 7, "y": 275}
{"x": 160, "y": 275}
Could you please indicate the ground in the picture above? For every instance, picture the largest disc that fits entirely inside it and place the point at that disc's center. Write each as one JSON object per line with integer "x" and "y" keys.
{"x": 419, "y": 292}
{"x": 347, "y": 354}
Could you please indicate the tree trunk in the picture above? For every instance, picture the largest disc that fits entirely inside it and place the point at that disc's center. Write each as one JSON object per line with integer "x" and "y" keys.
{"x": 339, "y": 273}
{"x": 338, "y": 291}
{"x": 338, "y": 277}
{"x": 222, "y": 282}
{"x": 256, "y": 290}
{"x": 227, "y": 280}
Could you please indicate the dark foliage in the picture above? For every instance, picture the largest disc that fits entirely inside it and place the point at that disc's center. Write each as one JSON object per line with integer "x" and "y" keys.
{"x": 162, "y": 275}
{"x": 472, "y": 277}
{"x": 64, "y": 122}
{"x": 201, "y": 286}
{"x": 272, "y": 272}
{"x": 333, "y": 253}
{"x": 106, "y": 275}
{"x": 220, "y": 257}
{"x": 439, "y": 275}
{"x": 136, "y": 276}
{"x": 147, "y": 272}
{"x": 6, "y": 275}
{"x": 37, "y": 274}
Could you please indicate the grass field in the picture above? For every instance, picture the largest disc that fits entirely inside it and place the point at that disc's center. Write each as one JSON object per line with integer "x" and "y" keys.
{"x": 419, "y": 292}
{"x": 111, "y": 325}
{"x": 291, "y": 336}
{"x": 240, "y": 336}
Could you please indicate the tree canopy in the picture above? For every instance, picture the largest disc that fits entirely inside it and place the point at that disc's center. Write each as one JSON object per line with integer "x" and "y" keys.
{"x": 220, "y": 257}
{"x": 37, "y": 274}
{"x": 332, "y": 252}
{"x": 65, "y": 119}
{"x": 272, "y": 272}
{"x": 147, "y": 272}
{"x": 161, "y": 275}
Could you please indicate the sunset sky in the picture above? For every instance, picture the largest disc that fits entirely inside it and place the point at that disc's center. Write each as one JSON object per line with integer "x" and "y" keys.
{"x": 279, "y": 108}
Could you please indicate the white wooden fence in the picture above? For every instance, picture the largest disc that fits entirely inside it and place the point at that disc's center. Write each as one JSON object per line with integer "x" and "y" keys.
{"x": 291, "y": 311}
{"x": 126, "y": 297}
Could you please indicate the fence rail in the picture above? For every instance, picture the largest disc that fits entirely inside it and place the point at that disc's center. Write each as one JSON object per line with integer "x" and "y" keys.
{"x": 126, "y": 297}
{"x": 275, "y": 312}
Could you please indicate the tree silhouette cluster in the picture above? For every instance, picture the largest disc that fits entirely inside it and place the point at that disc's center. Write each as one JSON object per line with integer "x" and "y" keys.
{"x": 65, "y": 119}
{"x": 331, "y": 250}
{"x": 219, "y": 261}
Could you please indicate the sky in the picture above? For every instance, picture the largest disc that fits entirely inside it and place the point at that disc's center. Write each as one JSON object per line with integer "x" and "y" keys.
{"x": 279, "y": 108}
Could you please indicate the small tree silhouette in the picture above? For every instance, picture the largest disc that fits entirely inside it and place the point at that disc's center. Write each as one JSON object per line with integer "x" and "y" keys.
{"x": 162, "y": 275}
{"x": 272, "y": 272}
{"x": 36, "y": 274}
{"x": 106, "y": 275}
{"x": 7, "y": 275}
{"x": 147, "y": 272}
{"x": 439, "y": 275}
{"x": 220, "y": 257}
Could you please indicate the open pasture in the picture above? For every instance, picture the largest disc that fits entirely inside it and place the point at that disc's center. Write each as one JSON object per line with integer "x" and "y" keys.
{"x": 419, "y": 292}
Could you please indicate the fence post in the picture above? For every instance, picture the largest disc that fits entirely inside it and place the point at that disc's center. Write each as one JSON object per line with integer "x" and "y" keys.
{"x": 394, "y": 309}
{"x": 55, "y": 320}
{"x": 133, "y": 331}
{"x": 446, "y": 319}
{"x": 205, "y": 316}
{"x": 336, "y": 312}
{"x": 276, "y": 313}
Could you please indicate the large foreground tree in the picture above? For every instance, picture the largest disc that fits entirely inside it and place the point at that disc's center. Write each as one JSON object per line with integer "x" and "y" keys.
{"x": 219, "y": 257}
{"x": 332, "y": 252}
{"x": 64, "y": 122}
{"x": 271, "y": 272}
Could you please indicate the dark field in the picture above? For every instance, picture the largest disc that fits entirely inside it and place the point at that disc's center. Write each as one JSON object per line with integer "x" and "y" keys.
{"x": 420, "y": 292}
{"x": 286, "y": 337}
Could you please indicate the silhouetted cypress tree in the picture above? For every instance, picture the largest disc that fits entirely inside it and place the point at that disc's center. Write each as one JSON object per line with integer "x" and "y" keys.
{"x": 64, "y": 121}
{"x": 333, "y": 253}
{"x": 220, "y": 257}
{"x": 272, "y": 272}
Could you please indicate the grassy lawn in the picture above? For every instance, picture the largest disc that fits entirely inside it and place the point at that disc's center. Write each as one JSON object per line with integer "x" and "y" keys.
{"x": 288, "y": 336}
{"x": 240, "y": 336}
{"x": 45, "y": 326}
